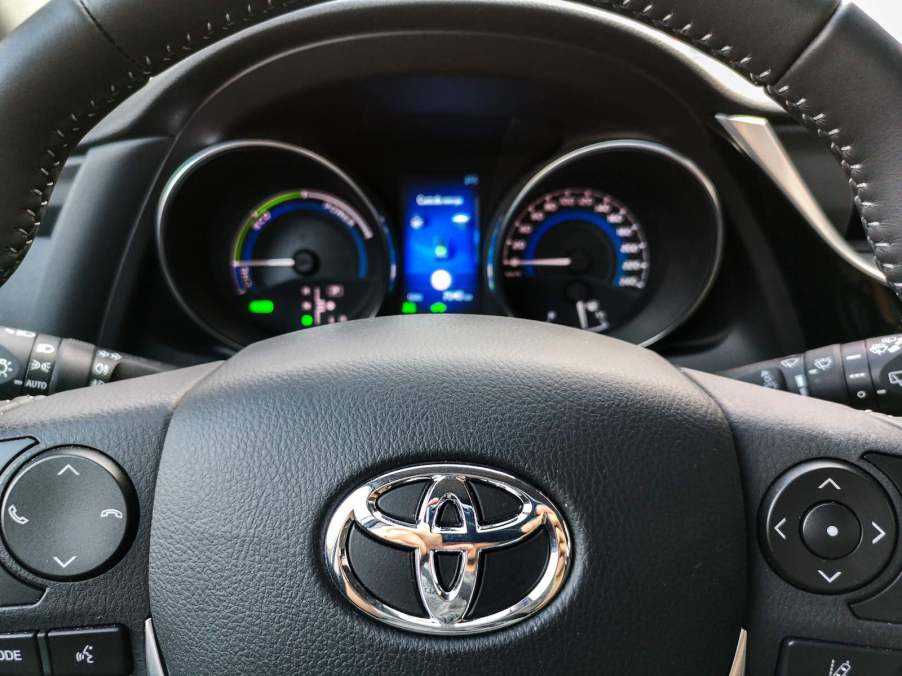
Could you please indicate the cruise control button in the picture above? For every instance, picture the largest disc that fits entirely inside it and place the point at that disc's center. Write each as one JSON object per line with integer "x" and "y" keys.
{"x": 67, "y": 513}
{"x": 98, "y": 652}
{"x": 19, "y": 655}
{"x": 831, "y": 530}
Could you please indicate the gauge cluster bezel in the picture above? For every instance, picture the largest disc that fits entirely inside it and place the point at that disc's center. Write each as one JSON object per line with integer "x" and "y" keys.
{"x": 209, "y": 195}
{"x": 677, "y": 206}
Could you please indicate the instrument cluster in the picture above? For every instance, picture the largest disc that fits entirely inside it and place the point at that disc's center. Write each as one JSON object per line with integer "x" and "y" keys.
{"x": 258, "y": 238}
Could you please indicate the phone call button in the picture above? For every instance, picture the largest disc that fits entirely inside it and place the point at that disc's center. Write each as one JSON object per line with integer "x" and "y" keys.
{"x": 68, "y": 513}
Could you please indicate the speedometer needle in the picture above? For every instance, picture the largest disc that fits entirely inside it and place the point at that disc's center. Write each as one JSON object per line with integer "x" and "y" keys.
{"x": 265, "y": 263}
{"x": 541, "y": 262}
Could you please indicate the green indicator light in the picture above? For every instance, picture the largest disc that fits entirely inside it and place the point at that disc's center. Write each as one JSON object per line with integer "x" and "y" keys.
{"x": 261, "y": 307}
{"x": 441, "y": 251}
{"x": 408, "y": 307}
{"x": 306, "y": 321}
{"x": 438, "y": 308}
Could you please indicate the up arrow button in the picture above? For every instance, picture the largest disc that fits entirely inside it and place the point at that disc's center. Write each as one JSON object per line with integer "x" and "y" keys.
{"x": 829, "y": 483}
{"x": 68, "y": 468}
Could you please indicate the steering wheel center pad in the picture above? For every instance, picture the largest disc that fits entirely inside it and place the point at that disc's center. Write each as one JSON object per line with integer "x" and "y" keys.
{"x": 640, "y": 461}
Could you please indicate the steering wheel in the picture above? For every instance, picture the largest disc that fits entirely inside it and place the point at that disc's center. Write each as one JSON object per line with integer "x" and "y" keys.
{"x": 248, "y": 486}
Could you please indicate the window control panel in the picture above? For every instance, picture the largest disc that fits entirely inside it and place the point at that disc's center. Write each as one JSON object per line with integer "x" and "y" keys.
{"x": 96, "y": 651}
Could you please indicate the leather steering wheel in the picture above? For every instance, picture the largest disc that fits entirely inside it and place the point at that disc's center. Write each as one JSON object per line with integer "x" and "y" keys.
{"x": 237, "y": 467}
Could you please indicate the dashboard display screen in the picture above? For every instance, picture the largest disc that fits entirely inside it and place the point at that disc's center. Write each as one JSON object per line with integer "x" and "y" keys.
{"x": 441, "y": 244}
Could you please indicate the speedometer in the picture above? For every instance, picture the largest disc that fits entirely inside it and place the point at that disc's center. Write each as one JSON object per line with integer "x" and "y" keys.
{"x": 575, "y": 256}
{"x": 617, "y": 237}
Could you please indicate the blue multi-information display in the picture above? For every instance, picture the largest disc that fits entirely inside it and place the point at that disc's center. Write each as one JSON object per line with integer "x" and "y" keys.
{"x": 441, "y": 245}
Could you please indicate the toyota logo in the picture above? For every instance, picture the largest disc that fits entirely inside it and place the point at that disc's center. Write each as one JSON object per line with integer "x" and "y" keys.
{"x": 447, "y": 549}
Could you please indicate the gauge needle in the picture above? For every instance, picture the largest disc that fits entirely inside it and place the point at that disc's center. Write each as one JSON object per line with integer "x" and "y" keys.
{"x": 581, "y": 312}
{"x": 541, "y": 262}
{"x": 265, "y": 263}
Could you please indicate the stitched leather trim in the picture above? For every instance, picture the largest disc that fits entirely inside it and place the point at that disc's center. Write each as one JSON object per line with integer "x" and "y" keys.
{"x": 854, "y": 168}
{"x": 644, "y": 11}
{"x": 216, "y": 29}
{"x": 62, "y": 141}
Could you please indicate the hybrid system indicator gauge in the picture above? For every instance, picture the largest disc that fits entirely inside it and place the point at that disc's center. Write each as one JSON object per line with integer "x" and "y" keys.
{"x": 306, "y": 258}
{"x": 258, "y": 238}
{"x": 575, "y": 256}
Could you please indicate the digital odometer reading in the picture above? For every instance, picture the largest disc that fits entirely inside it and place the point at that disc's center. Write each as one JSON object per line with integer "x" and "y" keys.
{"x": 575, "y": 256}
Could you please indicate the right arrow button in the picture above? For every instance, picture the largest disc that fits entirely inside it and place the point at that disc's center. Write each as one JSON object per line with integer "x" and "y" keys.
{"x": 880, "y": 533}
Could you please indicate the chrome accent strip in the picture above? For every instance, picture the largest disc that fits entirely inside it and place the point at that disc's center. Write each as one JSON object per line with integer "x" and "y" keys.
{"x": 738, "y": 668}
{"x": 757, "y": 139}
{"x": 510, "y": 208}
{"x": 447, "y": 609}
{"x": 189, "y": 166}
{"x": 152, "y": 657}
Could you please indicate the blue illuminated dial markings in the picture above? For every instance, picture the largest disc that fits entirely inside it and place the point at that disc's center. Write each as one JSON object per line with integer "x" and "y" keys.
{"x": 554, "y": 261}
{"x": 595, "y": 219}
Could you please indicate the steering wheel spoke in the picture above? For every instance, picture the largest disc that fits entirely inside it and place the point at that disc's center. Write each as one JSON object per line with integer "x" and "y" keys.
{"x": 78, "y": 481}
{"x": 822, "y": 488}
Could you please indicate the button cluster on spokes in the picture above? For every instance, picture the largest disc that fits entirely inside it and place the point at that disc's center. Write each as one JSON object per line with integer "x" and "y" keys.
{"x": 827, "y": 527}
{"x": 68, "y": 513}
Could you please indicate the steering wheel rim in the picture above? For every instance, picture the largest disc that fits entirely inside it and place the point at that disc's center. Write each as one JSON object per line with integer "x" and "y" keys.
{"x": 797, "y": 50}
{"x": 120, "y": 44}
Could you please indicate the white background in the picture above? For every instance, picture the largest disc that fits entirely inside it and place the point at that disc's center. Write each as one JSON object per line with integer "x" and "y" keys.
{"x": 887, "y": 12}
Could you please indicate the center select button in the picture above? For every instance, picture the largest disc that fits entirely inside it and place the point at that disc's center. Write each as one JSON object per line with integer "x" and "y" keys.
{"x": 831, "y": 530}
{"x": 68, "y": 514}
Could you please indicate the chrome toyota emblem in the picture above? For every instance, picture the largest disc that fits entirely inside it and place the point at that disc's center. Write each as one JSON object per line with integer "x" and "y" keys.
{"x": 448, "y": 549}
